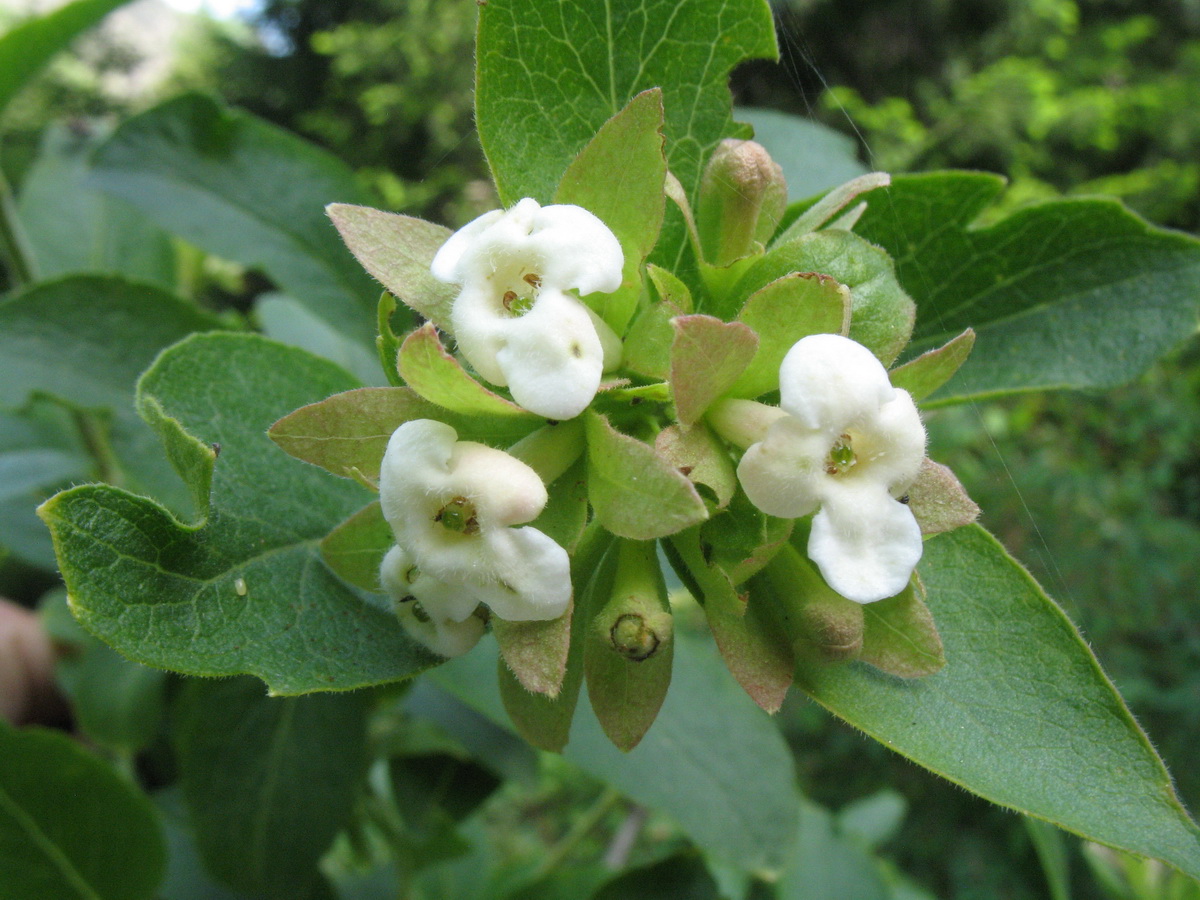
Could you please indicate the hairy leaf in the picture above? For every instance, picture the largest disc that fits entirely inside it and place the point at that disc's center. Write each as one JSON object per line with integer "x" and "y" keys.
{"x": 244, "y": 590}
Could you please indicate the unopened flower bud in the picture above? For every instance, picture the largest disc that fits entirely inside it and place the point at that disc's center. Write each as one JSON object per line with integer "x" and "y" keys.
{"x": 629, "y": 644}
{"x": 743, "y": 196}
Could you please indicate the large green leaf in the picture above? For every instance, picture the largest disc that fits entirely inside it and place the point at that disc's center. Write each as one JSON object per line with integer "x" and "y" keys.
{"x": 1021, "y": 714}
{"x": 70, "y": 827}
{"x": 247, "y": 191}
{"x": 40, "y": 453}
{"x": 710, "y": 749}
{"x": 268, "y": 781}
{"x": 549, "y": 74}
{"x": 29, "y": 46}
{"x": 1071, "y": 293}
{"x": 85, "y": 340}
{"x": 73, "y": 228}
{"x": 244, "y": 590}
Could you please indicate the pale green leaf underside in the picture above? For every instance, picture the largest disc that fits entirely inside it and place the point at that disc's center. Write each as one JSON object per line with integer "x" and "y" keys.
{"x": 1021, "y": 714}
{"x": 245, "y": 591}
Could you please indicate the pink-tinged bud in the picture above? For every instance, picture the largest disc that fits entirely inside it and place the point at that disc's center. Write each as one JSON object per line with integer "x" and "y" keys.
{"x": 743, "y": 196}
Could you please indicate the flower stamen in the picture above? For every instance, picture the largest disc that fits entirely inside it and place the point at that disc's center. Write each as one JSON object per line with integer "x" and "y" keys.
{"x": 841, "y": 457}
{"x": 458, "y": 516}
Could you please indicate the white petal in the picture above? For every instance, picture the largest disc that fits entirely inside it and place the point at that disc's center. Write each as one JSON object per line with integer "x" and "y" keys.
{"x": 865, "y": 543}
{"x": 891, "y": 446}
{"x": 531, "y": 576}
{"x": 417, "y": 456}
{"x": 404, "y": 581}
{"x": 444, "y": 638}
{"x": 783, "y": 474}
{"x": 579, "y": 251}
{"x": 505, "y": 490}
{"x": 553, "y": 358}
{"x": 481, "y": 329}
{"x": 829, "y": 382}
{"x": 447, "y": 263}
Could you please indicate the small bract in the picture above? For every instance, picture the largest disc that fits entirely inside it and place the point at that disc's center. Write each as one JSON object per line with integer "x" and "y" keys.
{"x": 847, "y": 447}
{"x": 515, "y": 319}
{"x": 451, "y": 505}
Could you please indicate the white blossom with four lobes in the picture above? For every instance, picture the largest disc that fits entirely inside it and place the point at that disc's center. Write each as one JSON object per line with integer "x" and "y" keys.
{"x": 452, "y": 505}
{"x": 516, "y": 319}
{"x": 846, "y": 447}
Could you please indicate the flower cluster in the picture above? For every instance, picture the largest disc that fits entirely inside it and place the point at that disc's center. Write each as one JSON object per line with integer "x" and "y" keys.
{"x": 452, "y": 505}
{"x": 516, "y": 320}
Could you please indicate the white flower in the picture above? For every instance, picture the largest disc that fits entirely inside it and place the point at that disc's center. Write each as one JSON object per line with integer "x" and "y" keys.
{"x": 451, "y": 504}
{"x": 514, "y": 319}
{"x": 847, "y": 445}
{"x": 439, "y": 615}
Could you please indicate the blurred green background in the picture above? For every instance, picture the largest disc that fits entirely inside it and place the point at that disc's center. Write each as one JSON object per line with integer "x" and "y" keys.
{"x": 1098, "y": 494}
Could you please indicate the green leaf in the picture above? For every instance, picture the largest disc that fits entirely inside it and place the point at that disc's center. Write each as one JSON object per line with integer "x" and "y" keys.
{"x": 814, "y": 157}
{"x": 244, "y": 590}
{"x": 544, "y": 720}
{"x": 933, "y": 368}
{"x": 536, "y": 652}
{"x": 754, "y": 645}
{"x": 115, "y": 702}
{"x": 30, "y": 45}
{"x": 881, "y": 312}
{"x": 73, "y": 228}
{"x": 1022, "y": 714}
{"x": 548, "y": 78}
{"x": 398, "y": 250}
{"x": 70, "y": 827}
{"x": 707, "y": 356}
{"x": 348, "y": 432}
{"x": 86, "y": 340}
{"x": 938, "y": 501}
{"x": 619, "y": 177}
{"x": 436, "y": 375}
{"x": 827, "y": 866}
{"x": 783, "y": 312}
{"x": 709, "y": 749}
{"x": 899, "y": 636}
{"x": 1071, "y": 293}
{"x": 629, "y": 646}
{"x": 266, "y": 805}
{"x": 699, "y": 455}
{"x": 186, "y": 879}
{"x": 355, "y": 549}
{"x": 565, "y": 515}
{"x": 287, "y": 320}
{"x": 635, "y": 492}
{"x": 244, "y": 190}
{"x": 648, "y": 347}
{"x": 682, "y": 875}
{"x": 40, "y": 453}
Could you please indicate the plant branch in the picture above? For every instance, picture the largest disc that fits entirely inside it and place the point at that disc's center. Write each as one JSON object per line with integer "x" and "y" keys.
{"x": 14, "y": 248}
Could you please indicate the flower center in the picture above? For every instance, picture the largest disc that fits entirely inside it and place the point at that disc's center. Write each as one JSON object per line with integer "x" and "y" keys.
{"x": 633, "y": 638}
{"x": 841, "y": 457}
{"x": 517, "y": 303}
{"x": 458, "y": 516}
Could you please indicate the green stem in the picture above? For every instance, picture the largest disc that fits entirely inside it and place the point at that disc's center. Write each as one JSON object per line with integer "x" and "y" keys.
{"x": 560, "y": 851}
{"x": 95, "y": 439}
{"x": 14, "y": 248}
